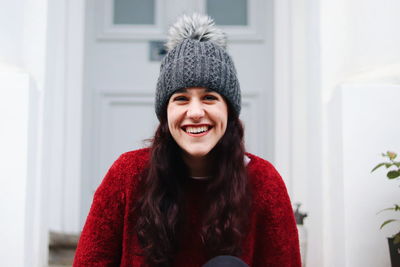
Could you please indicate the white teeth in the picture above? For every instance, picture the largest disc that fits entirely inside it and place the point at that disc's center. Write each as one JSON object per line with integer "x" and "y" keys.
{"x": 195, "y": 130}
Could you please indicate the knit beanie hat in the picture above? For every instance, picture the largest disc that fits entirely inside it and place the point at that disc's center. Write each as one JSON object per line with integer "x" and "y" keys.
{"x": 197, "y": 57}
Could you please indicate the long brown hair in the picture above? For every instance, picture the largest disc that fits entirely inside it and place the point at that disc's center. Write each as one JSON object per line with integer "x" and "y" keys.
{"x": 159, "y": 205}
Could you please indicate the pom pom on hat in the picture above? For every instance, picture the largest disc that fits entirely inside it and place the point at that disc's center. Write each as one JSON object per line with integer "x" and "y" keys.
{"x": 196, "y": 27}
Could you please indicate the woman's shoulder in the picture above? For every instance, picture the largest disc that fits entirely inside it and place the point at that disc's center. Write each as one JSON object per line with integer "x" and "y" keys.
{"x": 268, "y": 188}
{"x": 263, "y": 175}
{"x": 131, "y": 163}
{"x": 260, "y": 166}
{"x": 135, "y": 159}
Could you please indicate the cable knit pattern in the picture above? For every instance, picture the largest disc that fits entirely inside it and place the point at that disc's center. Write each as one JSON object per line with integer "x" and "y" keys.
{"x": 108, "y": 237}
{"x": 195, "y": 63}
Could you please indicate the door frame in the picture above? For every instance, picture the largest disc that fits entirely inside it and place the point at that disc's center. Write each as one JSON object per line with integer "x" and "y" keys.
{"x": 63, "y": 111}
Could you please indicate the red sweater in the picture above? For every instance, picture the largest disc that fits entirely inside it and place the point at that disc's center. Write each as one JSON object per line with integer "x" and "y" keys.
{"x": 108, "y": 237}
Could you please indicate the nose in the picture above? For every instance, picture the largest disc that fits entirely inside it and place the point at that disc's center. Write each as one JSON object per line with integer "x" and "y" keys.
{"x": 195, "y": 110}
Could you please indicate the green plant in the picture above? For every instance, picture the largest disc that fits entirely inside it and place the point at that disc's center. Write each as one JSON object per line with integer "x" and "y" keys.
{"x": 393, "y": 172}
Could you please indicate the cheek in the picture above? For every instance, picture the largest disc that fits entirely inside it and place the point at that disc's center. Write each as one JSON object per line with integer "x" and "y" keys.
{"x": 172, "y": 117}
{"x": 224, "y": 117}
{"x": 224, "y": 125}
{"x": 170, "y": 122}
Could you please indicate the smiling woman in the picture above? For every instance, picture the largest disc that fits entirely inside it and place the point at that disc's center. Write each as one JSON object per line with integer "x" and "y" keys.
{"x": 195, "y": 197}
{"x": 197, "y": 119}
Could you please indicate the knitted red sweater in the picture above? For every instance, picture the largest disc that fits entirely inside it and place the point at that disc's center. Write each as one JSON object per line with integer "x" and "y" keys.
{"x": 108, "y": 237}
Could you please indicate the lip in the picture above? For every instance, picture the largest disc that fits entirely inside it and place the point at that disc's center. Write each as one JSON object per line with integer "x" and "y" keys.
{"x": 198, "y": 135}
{"x": 183, "y": 127}
{"x": 196, "y": 125}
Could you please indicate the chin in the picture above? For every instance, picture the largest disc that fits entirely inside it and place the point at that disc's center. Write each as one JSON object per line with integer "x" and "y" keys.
{"x": 197, "y": 153}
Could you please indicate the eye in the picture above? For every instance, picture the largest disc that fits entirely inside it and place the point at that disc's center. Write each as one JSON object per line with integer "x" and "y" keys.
{"x": 210, "y": 97}
{"x": 180, "y": 98}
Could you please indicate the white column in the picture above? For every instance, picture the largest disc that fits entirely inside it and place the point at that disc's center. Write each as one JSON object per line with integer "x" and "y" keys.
{"x": 14, "y": 156}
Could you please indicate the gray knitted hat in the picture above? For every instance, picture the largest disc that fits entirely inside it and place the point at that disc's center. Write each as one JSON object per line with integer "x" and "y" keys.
{"x": 197, "y": 58}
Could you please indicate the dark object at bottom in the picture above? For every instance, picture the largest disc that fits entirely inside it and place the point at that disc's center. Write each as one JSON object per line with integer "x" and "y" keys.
{"x": 394, "y": 253}
{"x": 225, "y": 261}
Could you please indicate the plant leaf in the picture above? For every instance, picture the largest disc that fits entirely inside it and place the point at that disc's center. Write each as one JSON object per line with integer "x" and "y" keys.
{"x": 393, "y": 174}
{"x": 385, "y": 210}
{"x": 386, "y": 222}
{"x": 395, "y": 208}
{"x": 388, "y": 165}
{"x": 397, "y": 164}
{"x": 378, "y": 166}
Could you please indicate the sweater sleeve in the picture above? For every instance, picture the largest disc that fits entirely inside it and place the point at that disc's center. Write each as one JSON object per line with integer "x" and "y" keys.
{"x": 277, "y": 236}
{"x": 100, "y": 243}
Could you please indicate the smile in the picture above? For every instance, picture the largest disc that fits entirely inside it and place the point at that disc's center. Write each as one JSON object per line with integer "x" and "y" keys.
{"x": 199, "y": 130}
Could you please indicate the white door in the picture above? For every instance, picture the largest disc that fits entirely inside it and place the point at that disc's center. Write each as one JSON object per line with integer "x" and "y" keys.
{"x": 121, "y": 76}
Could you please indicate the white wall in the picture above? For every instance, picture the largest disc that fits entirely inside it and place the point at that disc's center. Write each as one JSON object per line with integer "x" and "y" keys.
{"x": 361, "y": 127}
{"x": 359, "y": 43}
{"x": 14, "y": 117}
{"x": 23, "y": 28}
{"x": 62, "y": 115}
{"x": 11, "y": 19}
{"x": 305, "y": 120}
{"x": 332, "y": 43}
{"x": 357, "y": 36}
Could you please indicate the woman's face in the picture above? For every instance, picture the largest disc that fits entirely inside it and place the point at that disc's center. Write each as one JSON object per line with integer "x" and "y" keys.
{"x": 197, "y": 119}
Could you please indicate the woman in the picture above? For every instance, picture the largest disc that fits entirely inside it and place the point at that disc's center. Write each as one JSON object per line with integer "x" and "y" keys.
{"x": 194, "y": 194}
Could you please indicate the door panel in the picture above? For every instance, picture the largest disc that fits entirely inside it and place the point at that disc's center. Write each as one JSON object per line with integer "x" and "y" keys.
{"x": 134, "y": 12}
{"x": 237, "y": 15}
{"x": 126, "y": 122}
